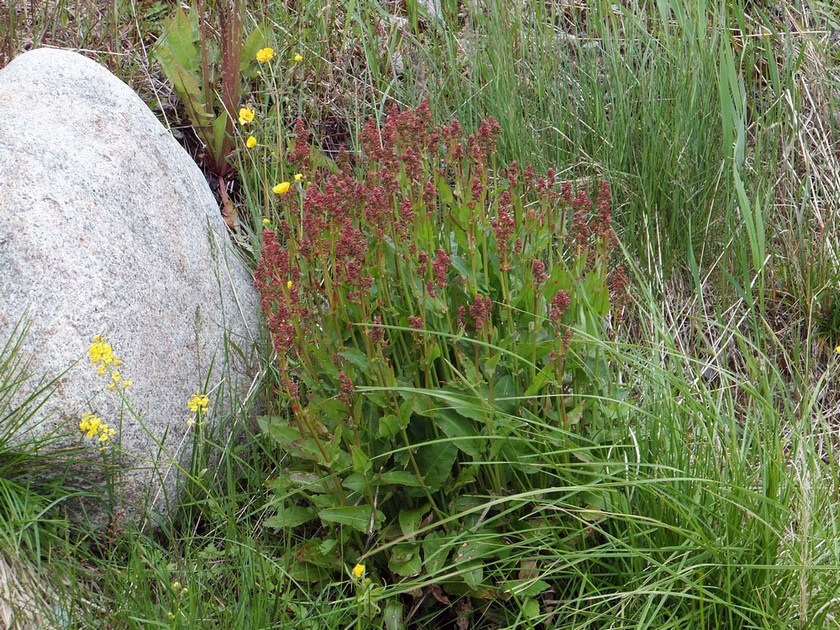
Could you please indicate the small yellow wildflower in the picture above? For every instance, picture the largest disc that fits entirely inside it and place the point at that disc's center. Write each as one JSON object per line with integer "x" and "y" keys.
{"x": 191, "y": 422}
{"x": 93, "y": 427}
{"x": 289, "y": 285}
{"x": 358, "y": 571}
{"x": 101, "y": 370}
{"x": 127, "y": 384}
{"x": 298, "y": 58}
{"x": 298, "y": 177}
{"x": 198, "y": 403}
{"x": 282, "y": 188}
{"x": 837, "y": 349}
{"x": 101, "y": 352}
{"x": 246, "y": 115}
{"x": 176, "y": 586}
{"x": 251, "y": 142}
{"x": 266, "y": 222}
{"x": 264, "y": 55}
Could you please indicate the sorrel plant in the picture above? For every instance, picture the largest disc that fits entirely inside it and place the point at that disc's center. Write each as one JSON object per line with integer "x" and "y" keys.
{"x": 435, "y": 319}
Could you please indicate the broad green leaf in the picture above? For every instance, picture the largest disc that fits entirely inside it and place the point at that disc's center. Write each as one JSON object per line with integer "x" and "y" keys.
{"x": 289, "y": 517}
{"x": 462, "y": 431}
{"x": 400, "y": 478}
{"x": 435, "y": 462}
{"x": 218, "y": 136}
{"x": 393, "y": 615}
{"x": 405, "y": 559}
{"x": 574, "y": 416}
{"x": 355, "y": 516}
{"x": 530, "y": 609}
{"x": 444, "y": 191}
{"x": 435, "y": 551}
{"x": 390, "y": 425}
{"x": 361, "y": 462}
{"x": 410, "y": 519}
{"x": 179, "y": 41}
{"x": 357, "y": 358}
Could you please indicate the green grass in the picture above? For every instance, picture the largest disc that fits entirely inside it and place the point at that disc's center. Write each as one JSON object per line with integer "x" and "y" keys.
{"x": 716, "y": 502}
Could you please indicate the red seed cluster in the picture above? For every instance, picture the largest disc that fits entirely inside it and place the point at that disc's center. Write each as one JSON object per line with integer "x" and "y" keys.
{"x": 481, "y": 310}
{"x": 300, "y": 154}
{"x": 346, "y": 391}
{"x": 440, "y": 267}
{"x": 559, "y": 305}
{"x": 278, "y": 302}
{"x": 538, "y": 271}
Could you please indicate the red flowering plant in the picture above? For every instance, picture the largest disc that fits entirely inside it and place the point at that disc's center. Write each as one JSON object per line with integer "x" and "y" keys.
{"x": 429, "y": 312}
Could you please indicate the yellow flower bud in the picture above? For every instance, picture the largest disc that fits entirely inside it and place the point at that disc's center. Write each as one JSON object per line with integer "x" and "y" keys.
{"x": 282, "y": 188}
{"x": 251, "y": 142}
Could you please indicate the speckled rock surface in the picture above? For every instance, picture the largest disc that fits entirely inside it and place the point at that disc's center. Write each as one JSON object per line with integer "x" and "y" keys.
{"x": 107, "y": 227}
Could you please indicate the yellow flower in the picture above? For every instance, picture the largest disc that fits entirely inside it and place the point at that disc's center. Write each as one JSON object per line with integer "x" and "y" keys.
{"x": 282, "y": 188}
{"x": 246, "y": 115}
{"x": 289, "y": 285}
{"x": 251, "y": 142}
{"x": 264, "y": 55}
{"x": 837, "y": 349}
{"x": 298, "y": 58}
{"x": 358, "y": 571}
{"x": 93, "y": 427}
{"x": 127, "y": 384}
{"x": 298, "y": 177}
{"x": 198, "y": 403}
{"x": 266, "y": 222}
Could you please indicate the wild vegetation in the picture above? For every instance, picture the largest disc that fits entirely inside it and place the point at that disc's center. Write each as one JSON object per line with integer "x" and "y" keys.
{"x": 552, "y": 305}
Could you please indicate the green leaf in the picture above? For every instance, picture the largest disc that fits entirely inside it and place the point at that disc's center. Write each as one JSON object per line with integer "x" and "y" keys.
{"x": 410, "y": 519}
{"x": 390, "y": 425}
{"x": 539, "y": 380}
{"x": 574, "y": 416}
{"x": 444, "y": 191}
{"x": 355, "y": 516}
{"x": 355, "y": 482}
{"x": 526, "y": 588}
{"x": 400, "y": 478}
{"x": 290, "y": 517}
{"x": 435, "y": 552}
{"x": 405, "y": 559}
{"x": 219, "y": 135}
{"x": 461, "y": 430}
{"x": 530, "y": 609}
{"x": 435, "y": 462}
{"x": 462, "y": 266}
{"x": 178, "y": 41}
{"x": 361, "y": 462}
{"x": 256, "y": 40}
{"x": 432, "y": 353}
{"x": 357, "y": 358}
{"x": 393, "y": 615}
